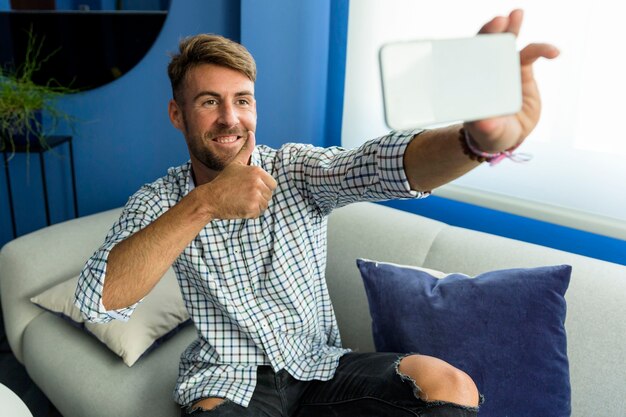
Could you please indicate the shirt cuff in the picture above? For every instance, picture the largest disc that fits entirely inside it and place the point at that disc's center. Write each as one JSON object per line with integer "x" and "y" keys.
{"x": 390, "y": 161}
{"x": 90, "y": 287}
{"x": 114, "y": 314}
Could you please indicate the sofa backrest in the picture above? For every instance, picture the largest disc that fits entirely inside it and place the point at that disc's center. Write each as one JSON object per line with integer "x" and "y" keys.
{"x": 54, "y": 254}
{"x": 596, "y": 298}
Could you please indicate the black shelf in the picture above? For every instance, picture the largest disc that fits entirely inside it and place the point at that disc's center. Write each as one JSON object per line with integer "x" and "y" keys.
{"x": 36, "y": 147}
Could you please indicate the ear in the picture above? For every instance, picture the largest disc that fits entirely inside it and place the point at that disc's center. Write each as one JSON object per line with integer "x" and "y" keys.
{"x": 176, "y": 115}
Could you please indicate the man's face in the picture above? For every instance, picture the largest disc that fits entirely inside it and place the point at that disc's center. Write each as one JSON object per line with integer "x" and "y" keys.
{"x": 217, "y": 111}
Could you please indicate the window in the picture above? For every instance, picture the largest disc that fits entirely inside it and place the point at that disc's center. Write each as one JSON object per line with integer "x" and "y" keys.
{"x": 577, "y": 177}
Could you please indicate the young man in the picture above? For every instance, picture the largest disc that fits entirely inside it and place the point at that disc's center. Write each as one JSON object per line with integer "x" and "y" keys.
{"x": 244, "y": 227}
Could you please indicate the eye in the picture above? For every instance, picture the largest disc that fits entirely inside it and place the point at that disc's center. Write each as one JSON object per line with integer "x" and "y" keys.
{"x": 243, "y": 102}
{"x": 210, "y": 102}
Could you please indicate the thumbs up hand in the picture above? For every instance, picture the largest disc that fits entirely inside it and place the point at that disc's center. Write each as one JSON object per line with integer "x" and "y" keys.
{"x": 240, "y": 191}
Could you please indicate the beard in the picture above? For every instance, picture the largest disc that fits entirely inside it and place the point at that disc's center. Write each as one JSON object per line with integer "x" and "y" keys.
{"x": 202, "y": 153}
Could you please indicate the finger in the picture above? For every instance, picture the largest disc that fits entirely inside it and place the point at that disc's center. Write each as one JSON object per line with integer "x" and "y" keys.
{"x": 266, "y": 193}
{"x": 486, "y": 126}
{"x": 496, "y": 25}
{"x": 246, "y": 150}
{"x": 534, "y": 51}
{"x": 269, "y": 181}
{"x": 263, "y": 206}
{"x": 515, "y": 21}
{"x": 263, "y": 199}
{"x": 265, "y": 184}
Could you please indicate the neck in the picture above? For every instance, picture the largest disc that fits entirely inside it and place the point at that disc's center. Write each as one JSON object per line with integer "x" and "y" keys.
{"x": 201, "y": 173}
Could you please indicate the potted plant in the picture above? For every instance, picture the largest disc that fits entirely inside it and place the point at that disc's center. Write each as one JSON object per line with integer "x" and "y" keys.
{"x": 23, "y": 103}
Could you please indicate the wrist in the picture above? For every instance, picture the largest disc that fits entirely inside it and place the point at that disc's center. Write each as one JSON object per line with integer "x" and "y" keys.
{"x": 200, "y": 204}
{"x": 474, "y": 152}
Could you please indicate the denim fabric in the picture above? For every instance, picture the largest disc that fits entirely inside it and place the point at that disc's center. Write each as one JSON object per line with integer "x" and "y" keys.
{"x": 364, "y": 385}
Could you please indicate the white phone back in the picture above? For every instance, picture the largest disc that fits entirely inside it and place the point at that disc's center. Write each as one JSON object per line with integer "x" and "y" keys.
{"x": 431, "y": 82}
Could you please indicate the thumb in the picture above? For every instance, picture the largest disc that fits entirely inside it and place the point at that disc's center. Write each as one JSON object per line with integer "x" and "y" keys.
{"x": 534, "y": 51}
{"x": 246, "y": 150}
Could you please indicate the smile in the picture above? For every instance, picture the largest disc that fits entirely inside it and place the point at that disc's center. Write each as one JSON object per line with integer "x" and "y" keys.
{"x": 226, "y": 139}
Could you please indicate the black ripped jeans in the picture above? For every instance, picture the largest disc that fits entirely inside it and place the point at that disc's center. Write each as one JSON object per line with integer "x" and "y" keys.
{"x": 365, "y": 384}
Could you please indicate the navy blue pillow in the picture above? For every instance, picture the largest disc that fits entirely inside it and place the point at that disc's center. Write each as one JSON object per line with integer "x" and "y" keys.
{"x": 504, "y": 328}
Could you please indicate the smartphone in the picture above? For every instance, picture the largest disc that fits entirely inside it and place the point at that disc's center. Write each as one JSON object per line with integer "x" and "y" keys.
{"x": 433, "y": 82}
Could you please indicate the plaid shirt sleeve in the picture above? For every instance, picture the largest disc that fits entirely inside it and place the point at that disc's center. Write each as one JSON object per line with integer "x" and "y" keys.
{"x": 140, "y": 210}
{"x": 334, "y": 177}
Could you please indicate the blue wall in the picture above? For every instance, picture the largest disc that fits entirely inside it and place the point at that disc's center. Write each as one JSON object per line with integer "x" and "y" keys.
{"x": 289, "y": 40}
{"x": 112, "y": 4}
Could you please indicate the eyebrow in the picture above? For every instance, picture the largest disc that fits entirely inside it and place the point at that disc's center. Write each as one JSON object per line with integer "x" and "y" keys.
{"x": 218, "y": 95}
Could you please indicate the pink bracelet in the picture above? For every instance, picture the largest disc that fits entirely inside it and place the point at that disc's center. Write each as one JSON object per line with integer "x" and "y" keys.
{"x": 470, "y": 149}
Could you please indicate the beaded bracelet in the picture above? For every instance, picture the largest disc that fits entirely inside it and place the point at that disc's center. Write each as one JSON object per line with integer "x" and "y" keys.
{"x": 475, "y": 154}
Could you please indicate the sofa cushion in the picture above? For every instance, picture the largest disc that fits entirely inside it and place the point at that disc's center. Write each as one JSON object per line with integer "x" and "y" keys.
{"x": 158, "y": 317}
{"x": 504, "y": 328}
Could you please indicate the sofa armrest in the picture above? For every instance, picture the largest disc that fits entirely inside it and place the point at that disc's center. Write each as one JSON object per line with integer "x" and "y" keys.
{"x": 35, "y": 262}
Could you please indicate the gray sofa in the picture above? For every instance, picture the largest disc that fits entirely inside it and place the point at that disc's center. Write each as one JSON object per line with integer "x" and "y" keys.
{"x": 84, "y": 379}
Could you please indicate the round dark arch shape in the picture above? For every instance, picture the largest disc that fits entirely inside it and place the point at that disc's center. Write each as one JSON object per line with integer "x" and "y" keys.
{"x": 90, "y": 48}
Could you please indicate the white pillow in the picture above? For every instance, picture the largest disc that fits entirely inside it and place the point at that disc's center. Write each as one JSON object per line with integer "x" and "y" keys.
{"x": 161, "y": 314}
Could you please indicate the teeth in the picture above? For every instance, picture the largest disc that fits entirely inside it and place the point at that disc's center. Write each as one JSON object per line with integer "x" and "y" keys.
{"x": 226, "y": 139}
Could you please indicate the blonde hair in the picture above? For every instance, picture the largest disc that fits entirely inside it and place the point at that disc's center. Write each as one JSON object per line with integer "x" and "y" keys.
{"x": 208, "y": 49}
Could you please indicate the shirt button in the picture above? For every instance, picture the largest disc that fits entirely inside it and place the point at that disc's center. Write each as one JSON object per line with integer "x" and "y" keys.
{"x": 236, "y": 250}
{"x": 248, "y": 289}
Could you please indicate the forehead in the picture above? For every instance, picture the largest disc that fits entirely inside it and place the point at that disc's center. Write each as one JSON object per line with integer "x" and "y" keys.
{"x": 218, "y": 79}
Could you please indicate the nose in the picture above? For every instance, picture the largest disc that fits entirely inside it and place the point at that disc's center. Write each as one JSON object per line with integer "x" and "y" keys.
{"x": 228, "y": 115}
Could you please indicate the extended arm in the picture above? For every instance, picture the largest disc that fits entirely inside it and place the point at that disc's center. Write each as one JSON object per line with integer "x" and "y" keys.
{"x": 436, "y": 157}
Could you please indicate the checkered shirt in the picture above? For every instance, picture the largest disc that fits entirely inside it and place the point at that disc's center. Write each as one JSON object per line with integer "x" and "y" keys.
{"x": 255, "y": 288}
